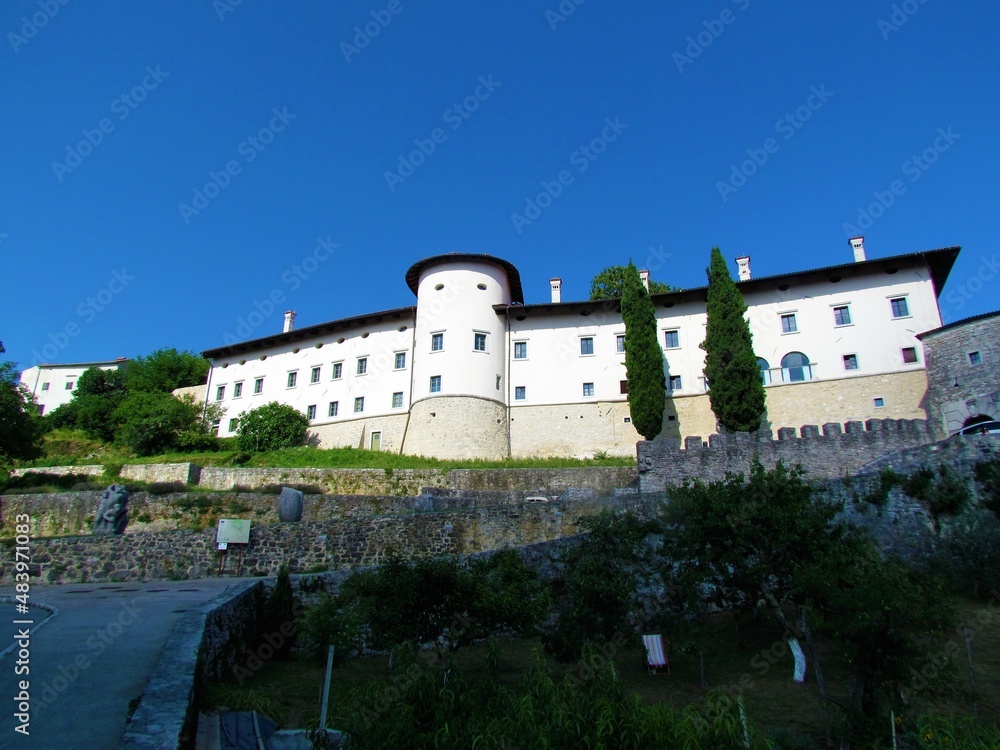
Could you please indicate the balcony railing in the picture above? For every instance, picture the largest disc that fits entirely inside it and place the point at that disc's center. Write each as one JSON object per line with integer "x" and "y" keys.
{"x": 798, "y": 374}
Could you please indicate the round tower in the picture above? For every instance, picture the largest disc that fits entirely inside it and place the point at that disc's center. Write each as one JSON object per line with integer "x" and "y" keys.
{"x": 458, "y": 404}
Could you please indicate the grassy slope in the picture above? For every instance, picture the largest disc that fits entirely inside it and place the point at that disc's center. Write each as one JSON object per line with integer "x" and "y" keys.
{"x": 289, "y": 690}
{"x": 73, "y": 448}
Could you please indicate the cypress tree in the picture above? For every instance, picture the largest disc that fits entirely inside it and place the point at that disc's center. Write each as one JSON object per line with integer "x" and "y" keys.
{"x": 647, "y": 385}
{"x": 735, "y": 388}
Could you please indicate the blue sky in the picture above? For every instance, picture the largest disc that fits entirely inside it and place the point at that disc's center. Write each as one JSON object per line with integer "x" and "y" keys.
{"x": 173, "y": 166}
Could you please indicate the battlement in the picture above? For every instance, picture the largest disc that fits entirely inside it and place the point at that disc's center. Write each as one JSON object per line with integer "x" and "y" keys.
{"x": 825, "y": 452}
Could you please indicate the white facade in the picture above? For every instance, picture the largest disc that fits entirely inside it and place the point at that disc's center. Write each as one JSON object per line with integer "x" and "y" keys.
{"x": 472, "y": 371}
{"x": 54, "y": 385}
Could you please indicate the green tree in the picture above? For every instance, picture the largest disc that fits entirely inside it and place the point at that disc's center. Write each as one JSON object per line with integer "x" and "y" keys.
{"x": 647, "y": 384}
{"x": 610, "y": 284}
{"x": 735, "y": 388}
{"x": 152, "y": 423}
{"x": 596, "y": 590}
{"x": 20, "y": 425}
{"x": 166, "y": 369}
{"x": 98, "y": 393}
{"x": 271, "y": 427}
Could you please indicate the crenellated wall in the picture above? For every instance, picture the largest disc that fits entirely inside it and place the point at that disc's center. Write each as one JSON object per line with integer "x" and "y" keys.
{"x": 837, "y": 450}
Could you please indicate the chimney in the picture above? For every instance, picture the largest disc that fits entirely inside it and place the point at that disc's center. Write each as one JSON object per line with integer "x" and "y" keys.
{"x": 289, "y": 321}
{"x": 858, "y": 245}
{"x": 644, "y": 278}
{"x": 556, "y": 285}
{"x": 744, "y": 267}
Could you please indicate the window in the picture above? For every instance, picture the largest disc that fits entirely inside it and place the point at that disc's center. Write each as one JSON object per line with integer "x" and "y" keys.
{"x": 671, "y": 339}
{"x": 359, "y": 404}
{"x": 842, "y": 316}
{"x": 788, "y": 324}
{"x": 41, "y": 409}
{"x": 362, "y": 365}
{"x": 879, "y": 402}
{"x": 435, "y": 383}
{"x": 675, "y": 383}
{"x": 69, "y": 385}
{"x": 45, "y": 386}
{"x": 586, "y": 346}
{"x": 588, "y": 389}
{"x": 400, "y": 363}
{"x": 479, "y": 343}
{"x": 620, "y": 343}
{"x": 623, "y": 386}
{"x": 220, "y": 393}
{"x": 311, "y": 412}
{"x": 233, "y": 424}
{"x": 899, "y": 307}
{"x": 795, "y": 367}
{"x": 520, "y": 350}
{"x": 437, "y": 342}
{"x": 334, "y": 408}
{"x": 293, "y": 378}
{"x": 237, "y": 389}
{"x": 909, "y": 355}
{"x": 519, "y": 393}
{"x": 975, "y": 358}
{"x": 338, "y": 370}
{"x": 314, "y": 375}
{"x": 397, "y": 400}
{"x": 765, "y": 371}
{"x": 215, "y": 427}
{"x": 850, "y": 361}
{"x": 258, "y": 386}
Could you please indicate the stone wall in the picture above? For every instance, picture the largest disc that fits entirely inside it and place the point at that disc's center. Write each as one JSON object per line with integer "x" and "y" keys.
{"x": 838, "y": 450}
{"x": 957, "y": 388}
{"x": 370, "y": 481}
{"x": 457, "y": 427}
{"x": 431, "y": 526}
{"x": 90, "y": 470}
{"x": 357, "y": 433}
{"x": 579, "y": 430}
{"x": 205, "y": 643}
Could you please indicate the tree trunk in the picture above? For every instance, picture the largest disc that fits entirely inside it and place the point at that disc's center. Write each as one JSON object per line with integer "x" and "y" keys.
{"x": 799, "y": 673}
{"x": 701, "y": 666}
{"x": 820, "y": 679}
{"x": 792, "y": 635}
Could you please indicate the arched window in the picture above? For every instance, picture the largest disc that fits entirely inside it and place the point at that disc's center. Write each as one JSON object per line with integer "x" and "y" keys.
{"x": 765, "y": 371}
{"x": 795, "y": 367}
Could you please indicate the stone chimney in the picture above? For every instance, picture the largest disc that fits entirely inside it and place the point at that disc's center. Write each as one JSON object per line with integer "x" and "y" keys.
{"x": 556, "y": 286}
{"x": 289, "y": 321}
{"x": 644, "y": 278}
{"x": 744, "y": 267}
{"x": 858, "y": 245}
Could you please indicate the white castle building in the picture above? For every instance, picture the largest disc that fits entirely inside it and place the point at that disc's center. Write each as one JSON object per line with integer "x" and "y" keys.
{"x": 472, "y": 371}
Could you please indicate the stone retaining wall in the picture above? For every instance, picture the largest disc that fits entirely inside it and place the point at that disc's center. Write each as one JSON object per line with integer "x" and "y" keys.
{"x": 449, "y": 528}
{"x": 205, "y": 643}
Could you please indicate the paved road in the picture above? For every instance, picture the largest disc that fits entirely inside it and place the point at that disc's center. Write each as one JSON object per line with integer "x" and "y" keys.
{"x": 90, "y": 658}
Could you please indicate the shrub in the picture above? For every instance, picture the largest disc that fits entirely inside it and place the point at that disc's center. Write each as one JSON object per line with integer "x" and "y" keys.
{"x": 152, "y": 422}
{"x": 271, "y": 427}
